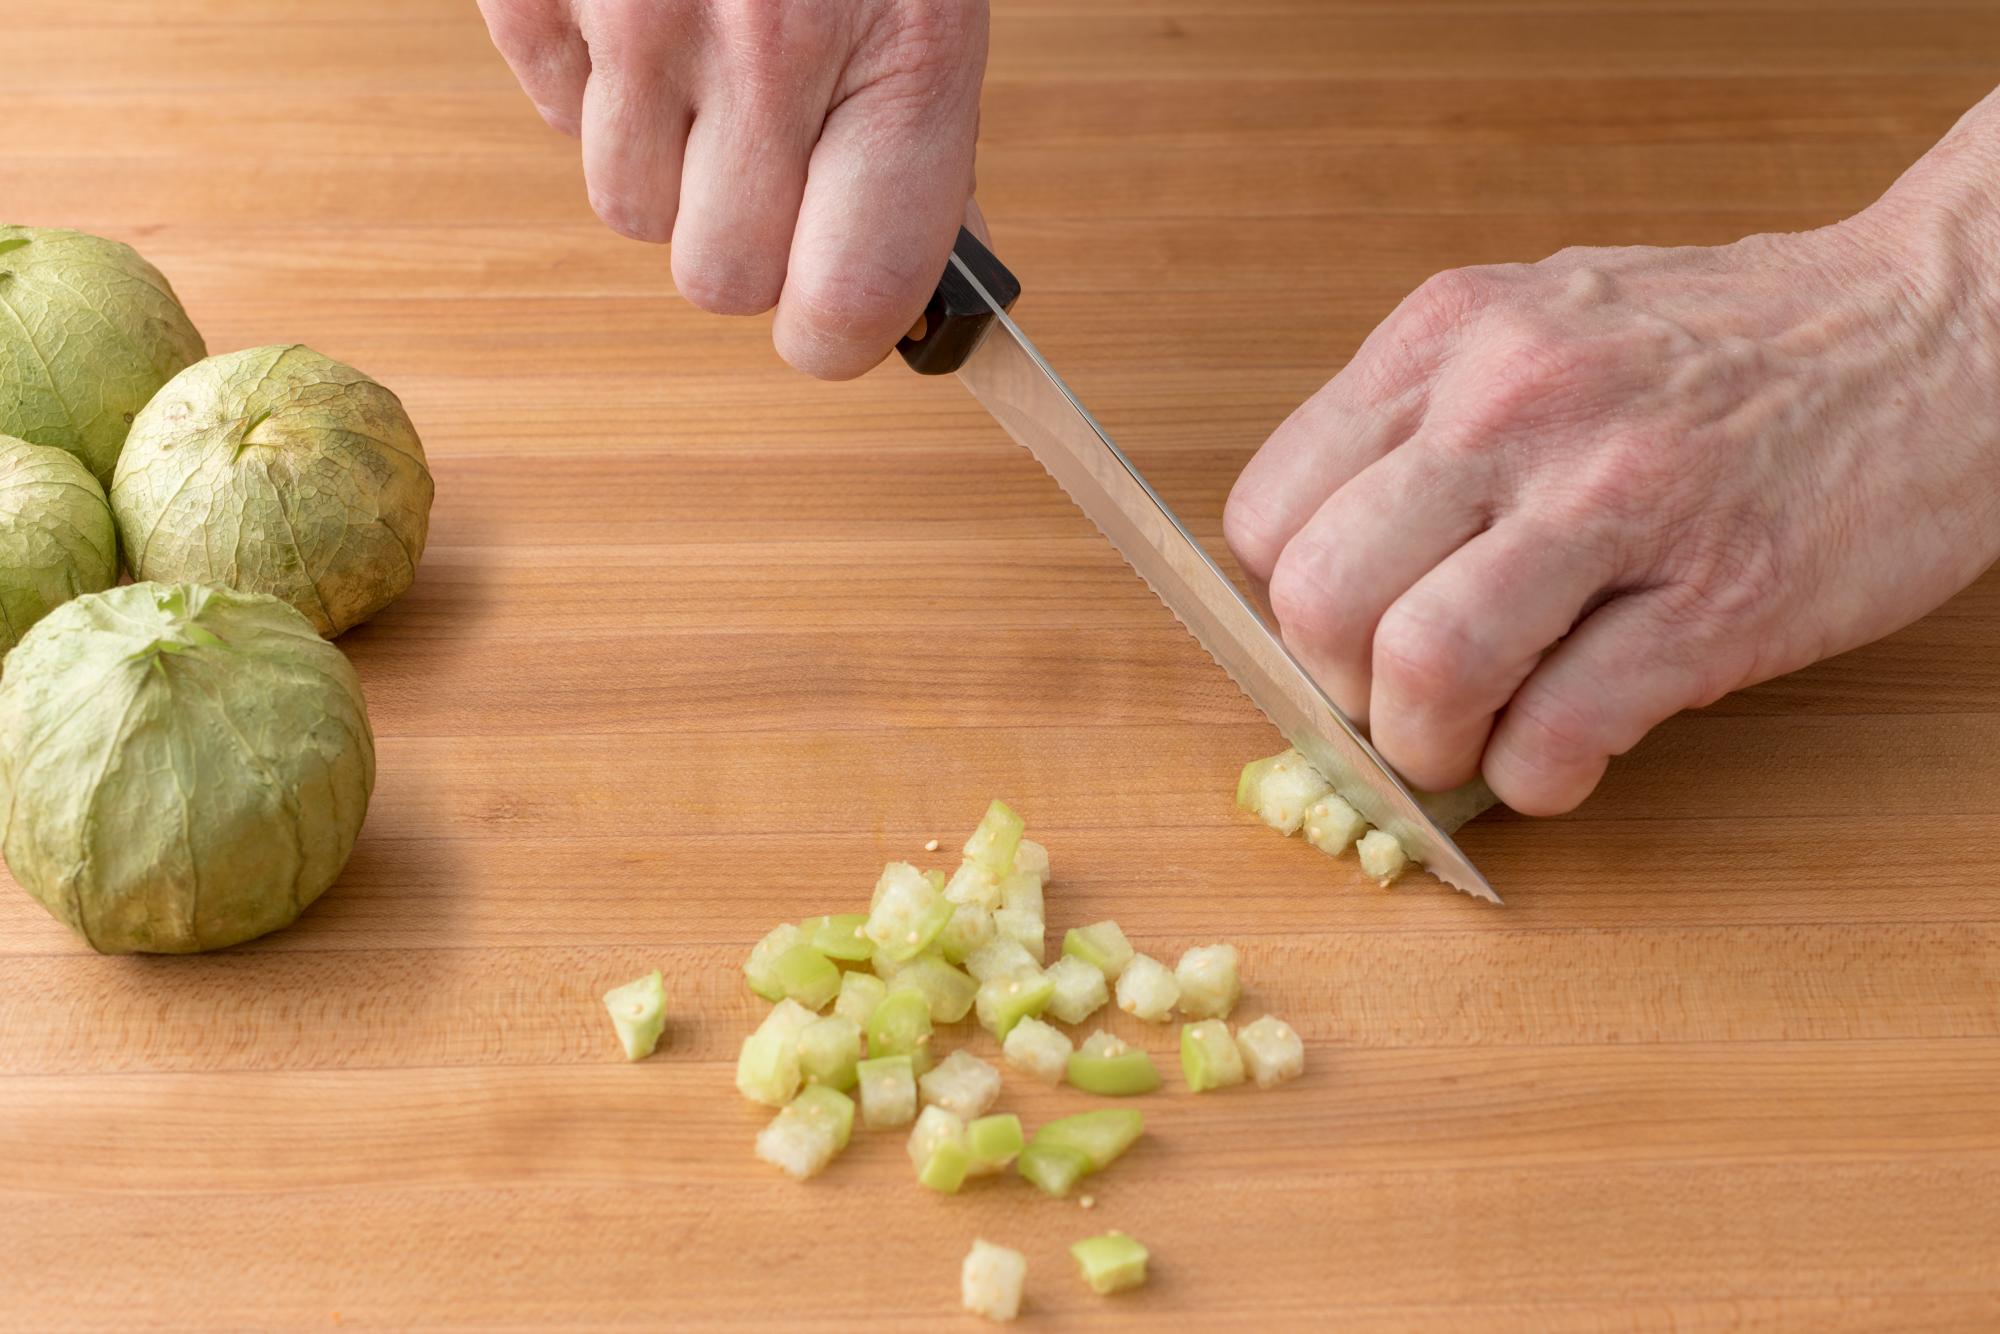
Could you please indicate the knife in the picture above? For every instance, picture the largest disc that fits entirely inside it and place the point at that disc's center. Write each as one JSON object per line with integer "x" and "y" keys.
{"x": 966, "y": 330}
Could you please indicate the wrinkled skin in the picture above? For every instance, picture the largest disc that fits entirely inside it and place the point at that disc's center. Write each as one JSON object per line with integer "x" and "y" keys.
{"x": 813, "y": 157}
{"x": 1546, "y": 506}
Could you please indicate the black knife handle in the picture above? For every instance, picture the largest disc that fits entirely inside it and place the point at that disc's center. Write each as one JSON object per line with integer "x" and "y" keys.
{"x": 956, "y": 319}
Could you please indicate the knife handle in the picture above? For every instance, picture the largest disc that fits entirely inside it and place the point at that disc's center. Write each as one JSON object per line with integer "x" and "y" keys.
{"x": 956, "y": 318}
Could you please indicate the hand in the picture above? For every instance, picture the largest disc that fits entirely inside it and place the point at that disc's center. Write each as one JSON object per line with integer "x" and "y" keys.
{"x": 815, "y": 157}
{"x": 1547, "y": 506}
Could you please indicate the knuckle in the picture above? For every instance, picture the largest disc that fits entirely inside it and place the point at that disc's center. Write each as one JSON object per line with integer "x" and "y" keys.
{"x": 1554, "y": 736}
{"x": 1299, "y": 598}
{"x": 930, "y": 36}
{"x": 1423, "y": 658}
{"x": 724, "y": 281}
{"x": 1447, "y": 301}
{"x": 1250, "y": 530}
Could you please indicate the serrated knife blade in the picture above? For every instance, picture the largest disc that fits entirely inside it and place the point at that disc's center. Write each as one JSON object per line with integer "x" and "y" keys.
{"x": 1016, "y": 384}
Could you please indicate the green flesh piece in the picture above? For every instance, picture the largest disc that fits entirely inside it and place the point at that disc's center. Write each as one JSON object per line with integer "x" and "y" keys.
{"x": 1209, "y": 1058}
{"x": 1114, "y": 1076}
{"x": 937, "y": 879}
{"x": 822, "y": 1105}
{"x": 1101, "y": 944}
{"x": 1250, "y": 782}
{"x": 1055, "y": 1168}
{"x": 829, "y": 1049}
{"x": 1111, "y": 1263}
{"x": 946, "y": 1168}
{"x": 1006, "y": 1001}
{"x": 639, "y": 1012}
{"x": 757, "y": 968}
{"x": 1099, "y": 1136}
{"x": 992, "y": 844}
{"x": 901, "y": 1026}
{"x": 970, "y": 927}
{"x": 915, "y": 934}
{"x": 807, "y": 976}
{"x": 840, "y": 936}
{"x": 948, "y": 991}
{"x": 995, "y": 1141}
{"x": 860, "y": 993}
{"x": 767, "y": 1068}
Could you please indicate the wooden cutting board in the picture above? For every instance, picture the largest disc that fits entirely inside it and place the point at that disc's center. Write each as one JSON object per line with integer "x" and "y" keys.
{"x": 699, "y": 644}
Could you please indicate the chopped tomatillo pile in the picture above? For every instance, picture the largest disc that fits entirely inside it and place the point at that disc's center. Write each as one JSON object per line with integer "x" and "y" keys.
{"x": 1288, "y": 794}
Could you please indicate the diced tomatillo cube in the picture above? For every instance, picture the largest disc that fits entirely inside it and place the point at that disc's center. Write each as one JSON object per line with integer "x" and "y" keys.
{"x": 969, "y": 928}
{"x": 1024, "y": 929}
{"x": 1209, "y": 980}
{"x": 993, "y": 843}
{"x": 995, "y": 1141}
{"x": 1332, "y": 825}
{"x": 1032, "y": 858}
{"x": 1038, "y": 1049}
{"x": 974, "y": 884}
{"x": 767, "y": 1068}
{"x": 1101, "y": 1043}
{"x": 1021, "y": 892}
{"x": 948, "y": 992}
{"x": 991, "y": 1279}
{"x": 908, "y": 914}
{"x": 829, "y": 1049}
{"x": 901, "y": 1026}
{"x": 841, "y": 935}
{"x": 806, "y": 1135}
{"x": 1080, "y": 990}
{"x": 937, "y": 879}
{"x": 962, "y": 1084}
{"x": 1056, "y": 1168}
{"x": 860, "y": 993}
{"x": 1000, "y": 957}
{"x": 639, "y": 1013}
{"x": 1006, "y": 1001}
{"x": 1117, "y": 1075}
{"x": 1110, "y": 1263}
{"x": 1279, "y": 789}
{"x": 939, "y": 1149}
{"x": 807, "y": 976}
{"x": 1209, "y": 1058}
{"x": 757, "y": 968}
{"x": 1382, "y": 857}
{"x": 1100, "y": 944}
{"x": 1272, "y": 1052}
{"x": 1100, "y": 1136}
{"x": 1147, "y": 990}
{"x": 888, "y": 1089}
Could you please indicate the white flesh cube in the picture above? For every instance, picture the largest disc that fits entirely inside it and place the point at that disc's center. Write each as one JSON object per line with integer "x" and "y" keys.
{"x": 1104, "y": 944}
{"x": 991, "y": 1280}
{"x": 1147, "y": 990}
{"x": 904, "y": 918}
{"x": 767, "y": 1067}
{"x": 1209, "y": 981}
{"x": 1032, "y": 858}
{"x": 1023, "y": 928}
{"x": 888, "y": 1095}
{"x": 757, "y": 968}
{"x": 1289, "y": 786}
{"x": 860, "y": 993}
{"x": 1003, "y": 957}
{"x": 639, "y": 1013}
{"x": 934, "y": 1127}
{"x": 1332, "y": 825}
{"x": 1022, "y": 892}
{"x": 799, "y": 1147}
{"x": 1040, "y": 1049}
{"x": 1080, "y": 989}
{"x": 1382, "y": 857}
{"x": 1272, "y": 1052}
{"x": 962, "y": 1084}
{"x": 1102, "y": 1043}
{"x": 970, "y": 927}
{"x": 973, "y": 883}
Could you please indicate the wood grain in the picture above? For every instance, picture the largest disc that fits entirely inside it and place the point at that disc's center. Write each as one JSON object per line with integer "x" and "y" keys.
{"x": 699, "y": 644}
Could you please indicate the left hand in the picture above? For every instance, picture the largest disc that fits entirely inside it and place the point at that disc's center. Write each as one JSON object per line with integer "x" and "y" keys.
{"x": 1547, "y": 506}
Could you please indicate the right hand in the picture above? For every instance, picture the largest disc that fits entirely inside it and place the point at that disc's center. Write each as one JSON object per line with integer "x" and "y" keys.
{"x": 812, "y": 157}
